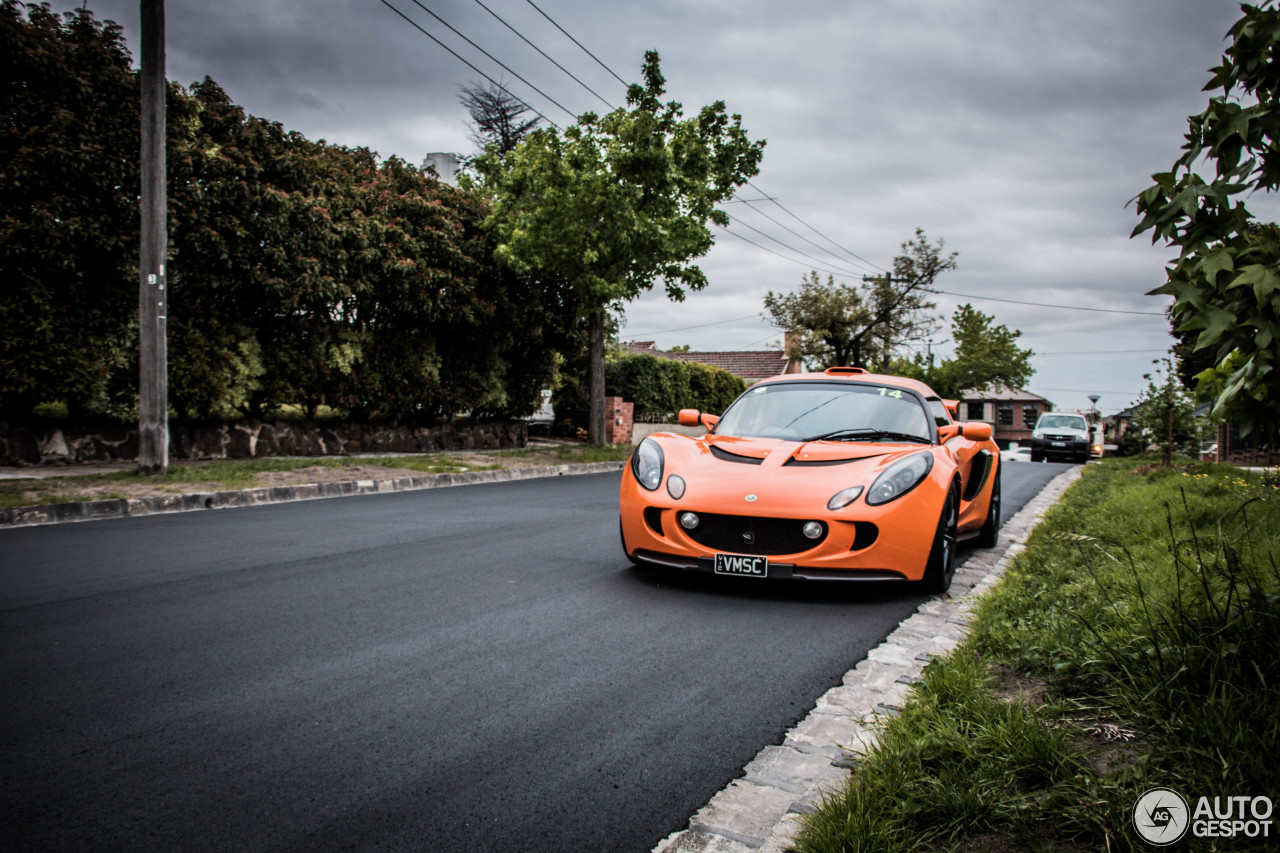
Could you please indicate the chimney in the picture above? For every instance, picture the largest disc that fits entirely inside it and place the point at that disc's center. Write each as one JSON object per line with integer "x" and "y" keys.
{"x": 790, "y": 340}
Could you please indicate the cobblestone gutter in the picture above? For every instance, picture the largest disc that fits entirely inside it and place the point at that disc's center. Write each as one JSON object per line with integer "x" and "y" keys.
{"x": 761, "y": 809}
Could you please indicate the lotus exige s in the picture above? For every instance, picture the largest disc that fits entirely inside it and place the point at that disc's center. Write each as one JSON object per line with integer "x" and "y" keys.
{"x": 841, "y": 475}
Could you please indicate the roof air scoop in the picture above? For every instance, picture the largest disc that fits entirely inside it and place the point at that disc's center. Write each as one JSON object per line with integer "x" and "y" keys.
{"x": 844, "y": 371}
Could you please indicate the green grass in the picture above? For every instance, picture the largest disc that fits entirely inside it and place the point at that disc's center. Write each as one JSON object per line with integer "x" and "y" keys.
{"x": 1147, "y": 610}
{"x": 239, "y": 474}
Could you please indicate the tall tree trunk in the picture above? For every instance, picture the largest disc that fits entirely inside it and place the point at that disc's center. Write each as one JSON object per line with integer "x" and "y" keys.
{"x": 595, "y": 378}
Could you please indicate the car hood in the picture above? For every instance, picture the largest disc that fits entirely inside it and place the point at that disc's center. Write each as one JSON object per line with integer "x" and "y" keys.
{"x": 801, "y": 452}
{"x": 781, "y": 478}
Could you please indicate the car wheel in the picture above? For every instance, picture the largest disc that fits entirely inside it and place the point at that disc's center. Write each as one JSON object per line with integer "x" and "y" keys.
{"x": 990, "y": 533}
{"x": 942, "y": 556}
{"x": 1037, "y": 457}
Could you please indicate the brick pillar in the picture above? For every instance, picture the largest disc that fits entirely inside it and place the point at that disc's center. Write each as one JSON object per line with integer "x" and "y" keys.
{"x": 618, "y": 420}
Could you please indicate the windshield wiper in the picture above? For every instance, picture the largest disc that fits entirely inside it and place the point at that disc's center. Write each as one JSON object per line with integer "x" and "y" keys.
{"x": 867, "y": 434}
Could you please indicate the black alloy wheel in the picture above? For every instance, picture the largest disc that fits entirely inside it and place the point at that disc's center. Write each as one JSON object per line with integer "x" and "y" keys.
{"x": 942, "y": 556}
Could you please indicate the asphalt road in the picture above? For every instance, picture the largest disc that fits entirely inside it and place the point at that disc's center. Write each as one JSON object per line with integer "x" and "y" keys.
{"x": 473, "y": 669}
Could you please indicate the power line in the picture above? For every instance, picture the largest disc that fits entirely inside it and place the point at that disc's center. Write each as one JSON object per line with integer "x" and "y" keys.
{"x": 1102, "y": 352}
{"x": 751, "y": 205}
{"x": 782, "y": 244}
{"x": 700, "y": 326}
{"x": 815, "y": 230}
{"x": 1046, "y": 305}
{"x": 493, "y": 58}
{"x": 548, "y": 58}
{"x": 578, "y": 43}
{"x": 779, "y": 254}
{"x": 457, "y": 56}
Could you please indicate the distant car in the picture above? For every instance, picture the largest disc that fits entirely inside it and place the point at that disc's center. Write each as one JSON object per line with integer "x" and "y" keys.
{"x": 1061, "y": 435}
{"x": 1016, "y": 454}
{"x": 842, "y": 475}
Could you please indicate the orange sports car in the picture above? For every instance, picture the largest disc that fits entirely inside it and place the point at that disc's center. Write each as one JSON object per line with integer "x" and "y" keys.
{"x": 841, "y": 475}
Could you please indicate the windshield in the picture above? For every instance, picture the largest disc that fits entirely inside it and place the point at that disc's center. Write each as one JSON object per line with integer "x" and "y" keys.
{"x": 804, "y": 411}
{"x": 1061, "y": 422}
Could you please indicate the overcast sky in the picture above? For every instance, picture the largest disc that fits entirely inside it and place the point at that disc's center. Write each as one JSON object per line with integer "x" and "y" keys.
{"x": 1017, "y": 131}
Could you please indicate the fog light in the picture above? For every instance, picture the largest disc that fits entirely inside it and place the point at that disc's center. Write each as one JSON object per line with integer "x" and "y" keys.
{"x": 688, "y": 520}
{"x": 675, "y": 486}
{"x": 812, "y": 530}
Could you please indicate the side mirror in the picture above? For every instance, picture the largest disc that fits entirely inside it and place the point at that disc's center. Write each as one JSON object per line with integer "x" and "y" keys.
{"x": 977, "y": 431}
{"x": 948, "y": 432}
{"x": 693, "y": 418}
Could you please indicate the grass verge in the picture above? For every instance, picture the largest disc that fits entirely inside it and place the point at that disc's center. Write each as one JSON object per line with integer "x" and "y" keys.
{"x": 248, "y": 473}
{"x": 1135, "y": 643}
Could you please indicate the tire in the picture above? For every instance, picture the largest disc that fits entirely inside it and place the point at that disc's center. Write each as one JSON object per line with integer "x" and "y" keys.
{"x": 942, "y": 556}
{"x": 1037, "y": 457}
{"x": 990, "y": 533}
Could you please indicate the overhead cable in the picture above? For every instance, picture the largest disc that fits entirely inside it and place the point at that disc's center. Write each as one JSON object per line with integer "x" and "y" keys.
{"x": 544, "y": 54}
{"x": 578, "y": 43}
{"x": 492, "y": 57}
{"x": 461, "y": 59}
{"x": 1047, "y": 305}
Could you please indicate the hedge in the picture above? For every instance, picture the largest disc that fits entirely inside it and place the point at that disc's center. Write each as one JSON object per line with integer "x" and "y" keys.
{"x": 659, "y": 387}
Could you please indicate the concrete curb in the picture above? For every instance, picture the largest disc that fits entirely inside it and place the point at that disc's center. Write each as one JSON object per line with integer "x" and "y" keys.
{"x": 26, "y": 516}
{"x": 762, "y": 810}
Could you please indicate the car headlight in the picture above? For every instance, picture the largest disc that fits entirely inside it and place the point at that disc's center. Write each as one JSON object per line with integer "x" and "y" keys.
{"x": 900, "y": 478}
{"x": 840, "y": 500}
{"x": 646, "y": 464}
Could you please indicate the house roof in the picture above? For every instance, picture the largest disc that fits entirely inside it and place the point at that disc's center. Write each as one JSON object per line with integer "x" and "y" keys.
{"x": 752, "y": 365}
{"x": 1001, "y": 394}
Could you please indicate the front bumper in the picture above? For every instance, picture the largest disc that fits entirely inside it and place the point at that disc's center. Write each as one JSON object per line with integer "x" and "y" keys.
{"x": 777, "y": 571}
{"x": 1072, "y": 447}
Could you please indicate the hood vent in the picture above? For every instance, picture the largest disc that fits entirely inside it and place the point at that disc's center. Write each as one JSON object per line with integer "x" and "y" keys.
{"x": 817, "y": 463}
{"x": 733, "y": 457}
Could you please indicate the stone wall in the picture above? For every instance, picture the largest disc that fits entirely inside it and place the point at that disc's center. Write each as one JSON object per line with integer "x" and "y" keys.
{"x": 55, "y": 444}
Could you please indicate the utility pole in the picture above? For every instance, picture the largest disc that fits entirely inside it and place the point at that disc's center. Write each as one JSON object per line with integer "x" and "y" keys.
{"x": 153, "y": 356}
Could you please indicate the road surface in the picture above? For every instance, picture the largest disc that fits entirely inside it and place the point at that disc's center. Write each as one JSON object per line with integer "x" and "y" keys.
{"x": 473, "y": 669}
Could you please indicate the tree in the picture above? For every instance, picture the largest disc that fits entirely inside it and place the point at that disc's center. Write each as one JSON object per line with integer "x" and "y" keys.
{"x": 1164, "y": 416}
{"x": 496, "y": 116}
{"x": 844, "y": 325}
{"x": 68, "y": 213}
{"x": 1226, "y": 278}
{"x": 616, "y": 202}
{"x": 985, "y": 355}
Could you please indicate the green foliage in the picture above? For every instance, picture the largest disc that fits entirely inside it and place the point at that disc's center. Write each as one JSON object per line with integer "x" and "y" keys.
{"x": 1165, "y": 416}
{"x": 662, "y": 386}
{"x": 300, "y": 273}
{"x": 843, "y": 325}
{"x": 1144, "y": 615}
{"x": 618, "y": 202}
{"x": 68, "y": 215}
{"x": 1226, "y": 278}
{"x": 985, "y": 355}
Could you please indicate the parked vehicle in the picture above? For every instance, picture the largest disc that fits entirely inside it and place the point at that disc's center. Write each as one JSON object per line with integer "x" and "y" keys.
{"x": 1061, "y": 435}
{"x": 842, "y": 475}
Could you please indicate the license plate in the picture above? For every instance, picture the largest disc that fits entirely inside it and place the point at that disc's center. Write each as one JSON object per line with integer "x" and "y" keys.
{"x": 1058, "y": 443}
{"x": 742, "y": 565}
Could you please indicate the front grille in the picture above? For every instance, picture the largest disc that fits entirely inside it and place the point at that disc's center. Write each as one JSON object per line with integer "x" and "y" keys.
{"x": 768, "y": 536}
